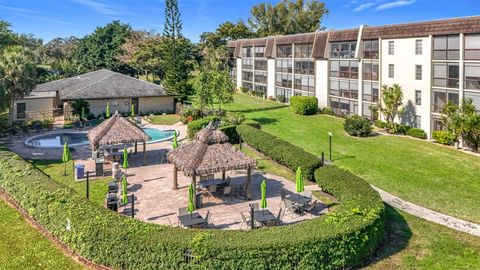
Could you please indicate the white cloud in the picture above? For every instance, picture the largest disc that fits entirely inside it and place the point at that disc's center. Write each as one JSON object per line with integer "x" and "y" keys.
{"x": 99, "y": 7}
{"x": 395, "y": 4}
{"x": 363, "y": 7}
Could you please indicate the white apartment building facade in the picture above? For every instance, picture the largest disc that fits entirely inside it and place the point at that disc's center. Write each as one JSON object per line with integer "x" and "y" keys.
{"x": 434, "y": 62}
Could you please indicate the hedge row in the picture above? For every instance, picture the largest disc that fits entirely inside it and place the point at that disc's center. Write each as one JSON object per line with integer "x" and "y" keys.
{"x": 279, "y": 150}
{"x": 196, "y": 125}
{"x": 333, "y": 241}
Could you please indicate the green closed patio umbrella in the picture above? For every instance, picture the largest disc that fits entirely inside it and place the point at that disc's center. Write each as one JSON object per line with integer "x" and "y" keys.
{"x": 132, "y": 110}
{"x": 175, "y": 142}
{"x": 125, "y": 158}
{"x": 66, "y": 157}
{"x": 190, "y": 207}
{"x": 263, "y": 203}
{"x": 83, "y": 114}
{"x": 124, "y": 190}
{"x": 107, "y": 111}
{"x": 299, "y": 180}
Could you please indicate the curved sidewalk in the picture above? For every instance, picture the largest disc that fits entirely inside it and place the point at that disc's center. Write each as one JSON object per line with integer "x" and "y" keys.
{"x": 430, "y": 215}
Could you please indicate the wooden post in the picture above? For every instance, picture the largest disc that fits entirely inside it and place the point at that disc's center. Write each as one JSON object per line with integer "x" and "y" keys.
{"x": 249, "y": 183}
{"x": 194, "y": 184}
{"x": 223, "y": 175}
{"x": 136, "y": 147}
{"x": 133, "y": 206}
{"x": 175, "y": 179}
{"x": 144, "y": 153}
{"x": 88, "y": 186}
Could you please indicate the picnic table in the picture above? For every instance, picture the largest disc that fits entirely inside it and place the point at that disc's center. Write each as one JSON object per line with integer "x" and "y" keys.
{"x": 192, "y": 219}
{"x": 212, "y": 182}
{"x": 299, "y": 199}
{"x": 263, "y": 216}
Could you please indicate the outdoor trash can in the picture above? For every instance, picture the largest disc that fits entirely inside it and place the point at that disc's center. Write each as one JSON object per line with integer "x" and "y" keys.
{"x": 79, "y": 171}
{"x": 199, "y": 199}
{"x": 99, "y": 166}
{"x": 112, "y": 187}
{"x": 112, "y": 202}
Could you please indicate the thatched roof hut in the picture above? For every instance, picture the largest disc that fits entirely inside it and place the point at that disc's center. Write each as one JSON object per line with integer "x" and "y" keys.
{"x": 209, "y": 152}
{"x": 117, "y": 130}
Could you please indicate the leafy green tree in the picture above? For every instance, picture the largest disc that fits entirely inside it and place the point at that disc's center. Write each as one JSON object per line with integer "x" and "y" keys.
{"x": 213, "y": 86}
{"x": 462, "y": 122}
{"x": 77, "y": 106}
{"x": 287, "y": 17}
{"x": 391, "y": 105}
{"x": 102, "y": 48}
{"x": 18, "y": 74}
{"x": 177, "y": 53}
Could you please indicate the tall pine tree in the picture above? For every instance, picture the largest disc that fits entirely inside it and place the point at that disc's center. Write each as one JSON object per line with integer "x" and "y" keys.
{"x": 176, "y": 53}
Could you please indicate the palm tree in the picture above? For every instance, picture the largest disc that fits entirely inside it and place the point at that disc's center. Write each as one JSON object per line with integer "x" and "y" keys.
{"x": 17, "y": 74}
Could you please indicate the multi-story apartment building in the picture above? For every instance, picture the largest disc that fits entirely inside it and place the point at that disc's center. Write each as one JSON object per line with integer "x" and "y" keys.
{"x": 434, "y": 62}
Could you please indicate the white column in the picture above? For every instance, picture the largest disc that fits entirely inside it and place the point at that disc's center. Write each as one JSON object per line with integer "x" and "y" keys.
{"x": 360, "y": 87}
{"x": 461, "y": 69}
{"x": 239, "y": 72}
{"x": 321, "y": 82}
{"x": 271, "y": 78}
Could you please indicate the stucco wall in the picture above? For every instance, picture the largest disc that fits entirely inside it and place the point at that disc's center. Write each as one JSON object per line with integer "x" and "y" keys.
{"x": 98, "y": 106}
{"x": 156, "y": 104}
{"x": 146, "y": 105}
{"x": 36, "y": 108}
{"x": 321, "y": 82}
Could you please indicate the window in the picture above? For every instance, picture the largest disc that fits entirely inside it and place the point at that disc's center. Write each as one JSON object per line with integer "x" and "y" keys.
{"x": 370, "y": 49}
{"x": 344, "y": 88}
{"x": 284, "y": 80}
{"x": 261, "y": 65}
{"x": 303, "y": 50}
{"x": 284, "y": 65}
{"x": 475, "y": 97}
{"x": 367, "y": 112}
{"x": 391, "y": 71}
{"x": 21, "y": 110}
{"x": 284, "y": 51}
{"x": 344, "y": 69}
{"x": 343, "y": 50}
{"x": 247, "y": 63}
{"x": 446, "y": 47}
{"x": 472, "y": 77}
{"x": 370, "y": 91}
{"x": 304, "y": 83}
{"x": 391, "y": 48}
{"x": 418, "y": 121}
{"x": 472, "y": 47}
{"x": 304, "y": 67}
{"x": 247, "y": 76}
{"x": 248, "y": 85}
{"x": 418, "y": 47}
{"x": 418, "y": 97}
{"x": 344, "y": 106}
{"x": 261, "y": 77}
{"x": 445, "y": 75}
{"x": 370, "y": 70}
{"x": 260, "y": 90}
{"x": 442, "y": 97}
{"x": 247, "y": 51}
{"x": 259, "y": 51}
{"x": 418, "y": 72}
{"x": 282, "y": 92}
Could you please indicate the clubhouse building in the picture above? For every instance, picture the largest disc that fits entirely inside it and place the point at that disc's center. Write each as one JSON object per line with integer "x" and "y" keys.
{"x": 434, "y": 62}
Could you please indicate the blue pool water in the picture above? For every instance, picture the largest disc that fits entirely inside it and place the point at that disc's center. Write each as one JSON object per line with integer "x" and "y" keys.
{"x": 57, "y": 140}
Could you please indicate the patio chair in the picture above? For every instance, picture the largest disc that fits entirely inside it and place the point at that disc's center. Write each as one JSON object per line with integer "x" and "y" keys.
{"x": 227, "y": 191}
{"x": 206, "y": 193}
{"x": 276, "y": 222}
{"x": 311, "y": 208}
{"x": 208, "y": 216}
{"x": 245, "y": 221}
{"x": 182, "y": 211}
{"x": 283, "y": 196}
{"x": 289, "y": 207}
{"x": 212, "y": 189}
{"x": 256, "y": 206}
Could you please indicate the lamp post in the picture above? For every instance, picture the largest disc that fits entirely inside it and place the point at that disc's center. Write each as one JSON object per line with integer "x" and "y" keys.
{"x": 330, "y": 135}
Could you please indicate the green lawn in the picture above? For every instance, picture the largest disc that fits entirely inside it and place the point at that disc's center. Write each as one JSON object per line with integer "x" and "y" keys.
{"x": 22, "y": 247}
{"x": 430, "y": 175}
{"x": 168, "y": 119}
{"x": 414, "y": 243}
{"x": 55, "y": 169}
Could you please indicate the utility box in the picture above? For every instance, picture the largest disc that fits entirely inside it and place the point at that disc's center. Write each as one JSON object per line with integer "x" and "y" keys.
{"x": 79, "y": 171}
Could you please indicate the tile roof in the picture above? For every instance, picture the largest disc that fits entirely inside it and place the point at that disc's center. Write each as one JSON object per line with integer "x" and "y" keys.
{"x": 101, "y": 84}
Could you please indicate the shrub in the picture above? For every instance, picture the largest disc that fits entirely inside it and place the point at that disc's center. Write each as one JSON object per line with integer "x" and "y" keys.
{"x": 189, "y": 114}
{"x": 380, "y": 123}
{"x": 304, "y": 105}
{"x": 444, "y": 137}
{"x": 357, "y": 126}
{"x": 337, "y": 240}
{"x": 281, "y": 98}
{"x": 402, "y": 129}
{"x": 196, "y": 125}
{"x": 234, "y": 118}
{"x": 279, "y": 150}
{"x": 417, "y": 133}
{"x": 231, "y": 132}
{"x": 328, "y": 110}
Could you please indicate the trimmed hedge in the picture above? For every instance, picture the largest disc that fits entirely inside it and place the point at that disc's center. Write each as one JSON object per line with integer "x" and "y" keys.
{"x": 279, "y": 150}
{"x": 304, "y": 105}
{"x": 443, "y": 137}
{"x": 417, "y": 133}
{"x": 231, "y": 132}
{"x": 196, "y": 125}
{"x": 337, "y": 240}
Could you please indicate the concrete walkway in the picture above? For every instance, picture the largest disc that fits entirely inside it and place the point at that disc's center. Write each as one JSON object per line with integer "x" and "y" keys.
{"x": 430, "y": 215}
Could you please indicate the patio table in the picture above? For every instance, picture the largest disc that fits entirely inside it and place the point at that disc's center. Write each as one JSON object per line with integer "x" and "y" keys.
{"x": 263, "y": 216}
{"x": 299, "y": 199}
{"x": 213, "y": 182}
{"x": 192, "y": 219}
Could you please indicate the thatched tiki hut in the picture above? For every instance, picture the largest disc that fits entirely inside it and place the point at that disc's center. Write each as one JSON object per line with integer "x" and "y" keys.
{"x": 118, "y": 130}
{"x": 209, "y": 152}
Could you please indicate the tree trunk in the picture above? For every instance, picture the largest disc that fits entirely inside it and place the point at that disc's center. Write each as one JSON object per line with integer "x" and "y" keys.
{"x": 10, "y": 112}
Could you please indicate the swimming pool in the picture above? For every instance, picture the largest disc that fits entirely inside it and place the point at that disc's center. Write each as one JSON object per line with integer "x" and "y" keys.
{"x": 75, "y": 139}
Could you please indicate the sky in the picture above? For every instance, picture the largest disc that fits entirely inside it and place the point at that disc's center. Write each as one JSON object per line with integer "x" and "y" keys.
{"x": 48, "y": 19}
